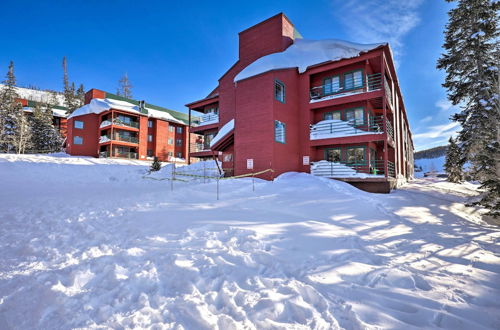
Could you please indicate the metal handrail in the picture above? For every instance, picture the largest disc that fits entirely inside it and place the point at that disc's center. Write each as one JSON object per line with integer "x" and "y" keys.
{"x": 208, "y": 117}
{"x": 131, "y": 139}
{"x": 198, "y": 147}
{"x": 372, "y": 167}
{"x": 374, "y": 124}
{"x": 132, "y": 123}
{"x": 371, "y": 83}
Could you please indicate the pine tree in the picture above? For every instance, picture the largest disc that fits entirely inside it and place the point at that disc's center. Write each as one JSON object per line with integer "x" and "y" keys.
{"x": 80, "y": 96}
{"x": 14, "y": 131}
{"x": 70, "y": 97}
{"x": 124, "y": 87}
{"x": 472, "y": 65}
{"x": 156, "y": 165}
{"x": 454, "y": 163}
{"x": 45, "y": 137}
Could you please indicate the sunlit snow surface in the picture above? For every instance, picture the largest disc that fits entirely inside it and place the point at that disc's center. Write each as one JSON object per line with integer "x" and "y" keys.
{"x": 89, "y": 243}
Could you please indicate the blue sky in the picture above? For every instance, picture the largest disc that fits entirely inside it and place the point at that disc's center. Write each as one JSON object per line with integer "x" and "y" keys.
{"x": 175, "y": 51}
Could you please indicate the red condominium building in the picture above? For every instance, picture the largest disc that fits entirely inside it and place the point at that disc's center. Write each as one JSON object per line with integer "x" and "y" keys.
{"x": 112, "y": 126}
{"x": 327, "y": 107}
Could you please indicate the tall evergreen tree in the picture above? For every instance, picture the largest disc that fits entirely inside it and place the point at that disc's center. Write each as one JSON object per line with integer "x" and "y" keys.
{"x": 69, "y": 91}
{"x": 80, "y": 96}
{"x": 471, "y": 62}
{"x": 124, "y": 87}
{"x": 454, "y": 163}
{"x": 45, "y": 137}
{"x": 14, "y": 131}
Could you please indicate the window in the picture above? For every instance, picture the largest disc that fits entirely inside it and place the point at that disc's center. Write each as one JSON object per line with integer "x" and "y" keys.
{"x": 353, "y": 79}
{"x": 228, "y": 157}
{"x": 78, "y": 124}
{"x": 214, "y": 110}
{"x": 150, "y": 138}
{"x": 331, "y": 85}
{"x": 279, "y": 131}
{"x": 150, "y": 123}
{"x": 207, "y": 139}
{"x": 279, "y": 91}
{"x": 170, "y": 154}
{"x": 171, "y": 128}
{"x": 178, "y": 142}
{"x": 77, "y": 140}
{"x": 333, "y": 155}
{"x": 337, "y": 115}
{"x": 150, "y": 152}
{"x": 179, "y": 130}
{"x": 356, "y": 155}
{"x": 170, "y": 141}
{"x": 355, "y": 116}
{"x": 179, "y": 155}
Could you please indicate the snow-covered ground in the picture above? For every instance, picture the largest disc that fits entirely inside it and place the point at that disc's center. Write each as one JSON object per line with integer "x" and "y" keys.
{"x": 89, "y": 243}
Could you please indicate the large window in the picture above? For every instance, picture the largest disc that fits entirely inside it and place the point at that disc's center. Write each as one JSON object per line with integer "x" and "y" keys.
{"x": 179, "y": 129}
{"x": 178, "y": 154}
{"x": 331, "y": 85}
{"x": 150, "y": 123}
{"x": 77, "y": 140}
{"x": 207, "y": 139}
{"x": 337, "y": 115}
{"x": 353, "y": 79}
{"x": 171, "y": 128}
{"x": 279, "y": 131}
{"x": 78, "y": 124}
{"x": 150, "y": 138}
{"x": 170, "y": 141}
{"x": 333, "y": 155}
{"x": 279, "y": 91}
{"x": 178, "y": 142}
{"x": 150, "y": 152}
{"x": 356, "y": 155}
{"x": 355, "y": 116}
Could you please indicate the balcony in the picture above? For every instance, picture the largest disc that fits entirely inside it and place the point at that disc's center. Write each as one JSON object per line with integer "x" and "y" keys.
{"x": 341, "y": 169}
{"x": 199, "y": 147}
{"x": 334, "y": 128}
{"x": 208, "y": 118}
{"x": 118, "y": 122}
{"x": 351, "y": 86}
{"x": 119, "y": 137}
{"x": 126, "y": 155}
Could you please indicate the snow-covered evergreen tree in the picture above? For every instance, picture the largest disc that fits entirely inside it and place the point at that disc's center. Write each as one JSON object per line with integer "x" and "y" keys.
{"x": 454, "y": 163}
{"x": 471, "y": 62}
{"x": 14, "y": 129}
{"x": 45, "y": 137}
{"x": 124, "y": 87}
{"x": 155, "y": 165}
{"x": 80, "y": 96}
{"x": 70, "y": 97}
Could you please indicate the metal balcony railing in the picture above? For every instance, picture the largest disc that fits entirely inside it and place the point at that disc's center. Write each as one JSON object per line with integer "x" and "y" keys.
{"x": 208, "y": 118}
{"x": 390, "y": 130}
{"x": 118, "y": 122}
{"x": 198, "y": 147}
{"x": 353, "y": 85}
{"x": 118, "y": 137}
{"x": 344, "y": 169}
{"x": 338, "y": 128}
{"x": 128, "y": 155}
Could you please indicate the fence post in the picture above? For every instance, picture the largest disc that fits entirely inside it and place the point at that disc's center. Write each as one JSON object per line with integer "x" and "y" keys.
{"x": 218, "y": 186}
{"x": 172, "y": 178}
{"x": 204, "y": 173}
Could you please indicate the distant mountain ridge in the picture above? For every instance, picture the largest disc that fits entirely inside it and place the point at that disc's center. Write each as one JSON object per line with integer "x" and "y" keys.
{"x": 431, "y": 153}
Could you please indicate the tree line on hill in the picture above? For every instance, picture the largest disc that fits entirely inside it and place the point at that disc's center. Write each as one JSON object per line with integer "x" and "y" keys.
{"x": 430, "y": 153}
{"x": 471, "y": 61}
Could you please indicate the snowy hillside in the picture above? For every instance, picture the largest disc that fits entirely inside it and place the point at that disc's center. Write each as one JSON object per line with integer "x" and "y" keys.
{"x": 429, "y": 164}
{"x": 90, "y": 243}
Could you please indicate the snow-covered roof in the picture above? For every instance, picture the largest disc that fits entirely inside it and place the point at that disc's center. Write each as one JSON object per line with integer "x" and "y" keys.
{"x": 55, "y": 112}
{"x": 304, "y": 53}
{"x": 228, "y": 127}
{"x": 98, "y": 106}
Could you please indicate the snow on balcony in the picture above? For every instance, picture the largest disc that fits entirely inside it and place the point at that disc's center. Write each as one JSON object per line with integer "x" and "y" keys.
{"x": 333, "y": 128}
{"x": 328, "y": 169}
{"x": 105, "y": 123}
{"x": 104, "y": 139}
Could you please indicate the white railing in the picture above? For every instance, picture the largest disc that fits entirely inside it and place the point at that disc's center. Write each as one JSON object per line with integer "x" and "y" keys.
{"x": 209, "y": 118}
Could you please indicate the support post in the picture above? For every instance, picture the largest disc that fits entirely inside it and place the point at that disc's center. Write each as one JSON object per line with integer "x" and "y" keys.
{"x": 189, "y": 138}
{"x": 384, "y": 108}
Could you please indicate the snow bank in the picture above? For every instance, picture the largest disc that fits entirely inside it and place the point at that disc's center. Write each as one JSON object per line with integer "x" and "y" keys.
{"x": 304, "y": 53}
{"x": 98, "y": 106}
{"x": 298, "y": 253}
{"x": 228, "y": 127}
